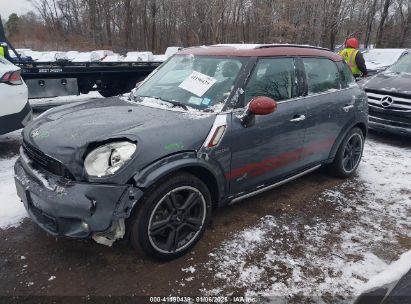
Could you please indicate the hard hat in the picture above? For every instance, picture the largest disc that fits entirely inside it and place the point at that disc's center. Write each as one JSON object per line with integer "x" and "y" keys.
{"x": 352, "y": 43}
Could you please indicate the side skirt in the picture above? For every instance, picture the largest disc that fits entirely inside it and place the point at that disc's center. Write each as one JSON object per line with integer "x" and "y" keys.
{"x": 269, "y": 187}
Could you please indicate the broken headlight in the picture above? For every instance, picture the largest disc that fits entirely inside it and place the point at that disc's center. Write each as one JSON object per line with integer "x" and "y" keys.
{"x": 108, "y": 159}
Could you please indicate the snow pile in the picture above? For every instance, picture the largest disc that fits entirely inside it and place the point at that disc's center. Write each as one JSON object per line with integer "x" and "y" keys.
{"x": 71, "y": 55}
{"x": 61, "y": 100}
{"x": 87, "y": 57}
{"x": 52, "y": 56}
{"x": 113, "y": 58}
{"x": 95, "y": 56}
{"x": 33, "y": 54}
{"x": 160, "y": 58}
{"x": 378, "y": 59}
{"x": 171, "y": 50}
{"x": 104, "y": 53}
{"x": 12, "y": 211}
{"x": 345, "y": 237}
{"x": 139, "y": 56}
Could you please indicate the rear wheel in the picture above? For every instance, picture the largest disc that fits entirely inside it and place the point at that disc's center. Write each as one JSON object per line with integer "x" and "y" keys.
{"x": 172, "y": 217}
{"x": 349, "y": 154}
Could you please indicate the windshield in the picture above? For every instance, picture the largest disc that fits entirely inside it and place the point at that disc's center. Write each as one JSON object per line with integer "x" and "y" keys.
{"x": 403, "y": 65}
{"x": 201, "y": 82}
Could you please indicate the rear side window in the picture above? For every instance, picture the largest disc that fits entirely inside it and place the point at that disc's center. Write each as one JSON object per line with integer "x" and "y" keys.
{"x": 274, "y": 78}
{"x": 347, "y": 78}
{"x": 322, "y": 75}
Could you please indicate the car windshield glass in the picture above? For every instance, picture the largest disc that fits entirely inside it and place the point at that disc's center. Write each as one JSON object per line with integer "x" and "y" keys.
{"x": 201, "y": 82}
{"x": 403, "y": 65}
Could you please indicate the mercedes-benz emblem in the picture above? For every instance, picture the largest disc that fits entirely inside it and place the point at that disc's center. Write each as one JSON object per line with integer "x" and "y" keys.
{"x": 387, "y": 101}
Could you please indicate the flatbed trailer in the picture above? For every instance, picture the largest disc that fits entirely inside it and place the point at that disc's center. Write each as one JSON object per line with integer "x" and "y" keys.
{"x": 62, "y": 78}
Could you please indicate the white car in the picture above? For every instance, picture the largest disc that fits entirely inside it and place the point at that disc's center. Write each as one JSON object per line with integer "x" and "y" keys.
{"x": 15, "y": 111}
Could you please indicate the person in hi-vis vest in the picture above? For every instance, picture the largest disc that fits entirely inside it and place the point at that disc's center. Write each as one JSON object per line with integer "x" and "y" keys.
{"x": 354, "y": 58}
{"x": 2, "y": 50}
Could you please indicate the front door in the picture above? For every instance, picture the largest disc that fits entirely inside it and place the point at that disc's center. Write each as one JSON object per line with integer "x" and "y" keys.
{"x": 271, "y": 147}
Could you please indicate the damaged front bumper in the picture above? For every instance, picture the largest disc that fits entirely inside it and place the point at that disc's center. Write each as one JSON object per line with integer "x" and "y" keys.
{"x": 74, "y": 209}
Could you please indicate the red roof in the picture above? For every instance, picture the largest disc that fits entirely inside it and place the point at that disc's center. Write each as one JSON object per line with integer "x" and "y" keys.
{"x": 261, "y": 51}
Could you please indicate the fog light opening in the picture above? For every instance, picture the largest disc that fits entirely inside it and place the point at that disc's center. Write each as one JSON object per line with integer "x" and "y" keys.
{"x": 85, "y": 226}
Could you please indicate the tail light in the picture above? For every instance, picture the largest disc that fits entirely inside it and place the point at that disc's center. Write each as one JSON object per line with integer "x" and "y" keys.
{"x": 12, "y": 78}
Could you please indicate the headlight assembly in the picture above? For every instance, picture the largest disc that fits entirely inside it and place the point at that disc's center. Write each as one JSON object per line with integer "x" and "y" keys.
{"x": 108, "y": 159}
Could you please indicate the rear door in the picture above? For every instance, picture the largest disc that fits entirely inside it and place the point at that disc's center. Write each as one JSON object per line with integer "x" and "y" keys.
{"x": 270, "y": 148}
{"x": 329, "y": 107}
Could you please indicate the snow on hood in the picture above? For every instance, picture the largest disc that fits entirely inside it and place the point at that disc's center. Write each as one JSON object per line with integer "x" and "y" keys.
{"x": 377, "y": 59}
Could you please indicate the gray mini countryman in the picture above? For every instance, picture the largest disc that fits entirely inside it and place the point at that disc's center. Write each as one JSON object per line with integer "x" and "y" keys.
{"x": 211, "y": 126}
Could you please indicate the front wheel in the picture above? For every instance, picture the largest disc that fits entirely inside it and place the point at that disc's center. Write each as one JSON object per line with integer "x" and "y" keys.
{"x": 172, "y": 217}
{"x": 349, "y": 154}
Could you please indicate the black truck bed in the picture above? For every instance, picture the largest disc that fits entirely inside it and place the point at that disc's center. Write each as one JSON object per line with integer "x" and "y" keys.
{"x": 51, "y": 79}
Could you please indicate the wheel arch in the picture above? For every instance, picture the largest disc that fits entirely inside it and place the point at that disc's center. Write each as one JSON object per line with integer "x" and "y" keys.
{"x": 207, "y": 171}
{"x": 358, "y": 124}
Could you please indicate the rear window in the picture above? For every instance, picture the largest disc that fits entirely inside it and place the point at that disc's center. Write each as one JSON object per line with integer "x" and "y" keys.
{"x": 322, "y": 75}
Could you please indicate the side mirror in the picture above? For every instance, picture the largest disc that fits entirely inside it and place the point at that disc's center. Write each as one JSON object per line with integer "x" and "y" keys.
{"x": 260, "y": 105}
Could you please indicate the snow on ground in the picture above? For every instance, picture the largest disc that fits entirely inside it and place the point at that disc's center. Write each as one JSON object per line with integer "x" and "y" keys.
{"x": 348, "y": 235}
{"x": 12, "y": 211}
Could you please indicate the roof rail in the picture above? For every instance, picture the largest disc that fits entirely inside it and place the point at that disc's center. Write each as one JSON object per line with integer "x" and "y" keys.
{"x": 292, "y": 45}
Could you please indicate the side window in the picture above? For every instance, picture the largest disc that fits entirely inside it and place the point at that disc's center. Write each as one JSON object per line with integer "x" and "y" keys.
{"x": 273, "y": 78}
{"x": 347, "y": 78}
{"x": 322, "y": 75}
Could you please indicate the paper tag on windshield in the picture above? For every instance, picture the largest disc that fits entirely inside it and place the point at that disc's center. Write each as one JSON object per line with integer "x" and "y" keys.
{"x": 197, "y": 83}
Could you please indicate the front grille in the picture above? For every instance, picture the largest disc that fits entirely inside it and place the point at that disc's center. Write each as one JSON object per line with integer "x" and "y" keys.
{"x": 401, "y": 102}
{"x": 45, "y": 162}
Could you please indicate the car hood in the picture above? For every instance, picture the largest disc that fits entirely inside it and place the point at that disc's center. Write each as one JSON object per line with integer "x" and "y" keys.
{"x": 390, "y": 82}
{"x": 67, "y": 132}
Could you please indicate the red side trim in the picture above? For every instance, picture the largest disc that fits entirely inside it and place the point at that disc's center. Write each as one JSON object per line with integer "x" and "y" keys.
{"x": 281, "y": 160}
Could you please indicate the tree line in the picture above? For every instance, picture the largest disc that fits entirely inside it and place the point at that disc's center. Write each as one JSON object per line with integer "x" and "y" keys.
{"x": 123, "y": 25}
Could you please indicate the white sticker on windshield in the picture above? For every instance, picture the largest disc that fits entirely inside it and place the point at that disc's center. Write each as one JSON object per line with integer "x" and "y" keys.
{"x": 197, "y": 83}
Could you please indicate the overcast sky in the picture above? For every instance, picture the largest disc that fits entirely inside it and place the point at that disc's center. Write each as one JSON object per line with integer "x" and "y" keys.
{"x": 19, "y": 7}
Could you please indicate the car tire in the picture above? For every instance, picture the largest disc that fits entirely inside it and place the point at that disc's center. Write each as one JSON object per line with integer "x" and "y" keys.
{"x": 172, "y": 217}
{"x": 349, "y": 154}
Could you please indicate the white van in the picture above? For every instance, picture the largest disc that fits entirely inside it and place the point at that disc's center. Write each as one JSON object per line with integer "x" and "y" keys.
{"x": 15, "y": 111}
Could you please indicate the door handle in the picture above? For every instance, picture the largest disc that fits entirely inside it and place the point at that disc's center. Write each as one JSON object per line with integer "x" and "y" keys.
{"x": 348, "y": 107}
{"x": 298, "y": 118}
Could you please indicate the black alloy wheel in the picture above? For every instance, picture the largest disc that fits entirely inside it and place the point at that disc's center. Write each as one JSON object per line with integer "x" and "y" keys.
{"x": 171, "y": 217}
{"x": 348, "y": 156}
{"x": 177, "y": 219}
{"x": 352, "y": 152}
